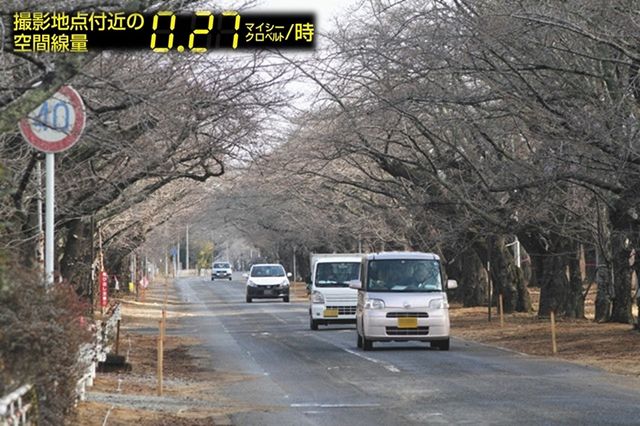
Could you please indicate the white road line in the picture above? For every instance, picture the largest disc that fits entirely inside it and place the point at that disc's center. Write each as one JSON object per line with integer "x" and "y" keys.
{"x": 320, "y": 405}
{"x": 389, "y": 367}
{"x": 386, "y": 365}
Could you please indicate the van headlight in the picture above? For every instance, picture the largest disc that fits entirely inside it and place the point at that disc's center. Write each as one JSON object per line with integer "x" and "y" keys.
{"x": 317, "y": 297}
{"x": 284, "y": 284}
{"x": 374, "y": 304}
{"x": 438, "y": 303}
{"x": 251, "y": 283}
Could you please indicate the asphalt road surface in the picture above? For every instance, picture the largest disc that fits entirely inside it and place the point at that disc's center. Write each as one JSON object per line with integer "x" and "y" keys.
{"x": 304, "y": 377}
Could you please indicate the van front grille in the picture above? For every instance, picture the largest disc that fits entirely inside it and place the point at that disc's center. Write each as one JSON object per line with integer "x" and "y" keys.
{"x": 395, "y": 331}
{"x": 407, "y": 315}
{"x": 344, "y": 310}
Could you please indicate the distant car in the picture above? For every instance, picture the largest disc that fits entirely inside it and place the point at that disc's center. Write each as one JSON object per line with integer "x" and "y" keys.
{"x": 267, "y": 281}
{"x": 221, "y": 270}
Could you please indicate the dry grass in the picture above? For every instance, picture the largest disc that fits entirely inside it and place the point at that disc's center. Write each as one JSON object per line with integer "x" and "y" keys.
{"x": 612, "y": 347}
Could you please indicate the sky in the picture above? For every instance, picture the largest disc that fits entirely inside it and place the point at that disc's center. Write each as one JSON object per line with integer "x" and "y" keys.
{"x": 324, "y": 10}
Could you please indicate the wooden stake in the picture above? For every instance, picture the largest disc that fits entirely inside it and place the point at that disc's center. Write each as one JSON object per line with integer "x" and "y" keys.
{"x": 554, "y": 347}
{"x": 160, "y": 357}
{"x": 164, "y": 322}
{"x": 489, "y": 290}
{"x": 118, "y": 337}
{"x": 501, "y": 307}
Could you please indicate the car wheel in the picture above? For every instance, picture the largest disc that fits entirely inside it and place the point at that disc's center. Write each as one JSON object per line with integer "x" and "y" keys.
{"x": 212, "y": 279}
{"x": 313, "y": 324}
{"x": 229, "y": 278}
{"x": 359, "y": 340}
{"x": 443, "y": 345}
{"x": 285, "y": 299}
{"x": 249, "y": 300}
{"x": 367, "y": 344}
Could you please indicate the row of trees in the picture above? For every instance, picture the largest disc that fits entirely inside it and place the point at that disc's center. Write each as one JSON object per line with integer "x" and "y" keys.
{"x": 457, "y": 126}
{"x": 157, "y": 126}
{"x": 447, "y": 125}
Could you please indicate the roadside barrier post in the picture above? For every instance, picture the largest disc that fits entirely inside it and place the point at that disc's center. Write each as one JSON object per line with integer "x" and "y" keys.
{"x": 118, "y": 338}
{"x": 160, "y": 355}
{"x": 501, "y": 307}
{"x": 554, "y": 347}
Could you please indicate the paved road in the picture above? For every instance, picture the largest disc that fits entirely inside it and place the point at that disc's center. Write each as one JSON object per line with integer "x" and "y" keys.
{"x": 301, "y": 377}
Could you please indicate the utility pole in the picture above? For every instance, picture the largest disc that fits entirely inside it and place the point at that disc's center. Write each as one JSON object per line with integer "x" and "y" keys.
{"x": 294, "y": 264}
{"x": 178, "y": 255}
{"x": 186, "y": 260}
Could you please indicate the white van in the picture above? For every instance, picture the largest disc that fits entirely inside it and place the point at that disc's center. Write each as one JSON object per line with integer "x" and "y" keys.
{"x": 402, "y": 297}
{"x": 331, "y": 301}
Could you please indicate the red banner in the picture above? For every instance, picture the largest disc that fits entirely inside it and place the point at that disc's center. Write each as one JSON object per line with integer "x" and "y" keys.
{"x": 103, "y": 288}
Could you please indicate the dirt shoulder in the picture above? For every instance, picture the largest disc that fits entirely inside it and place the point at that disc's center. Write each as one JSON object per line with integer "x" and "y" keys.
{"x": 192, "y": 388}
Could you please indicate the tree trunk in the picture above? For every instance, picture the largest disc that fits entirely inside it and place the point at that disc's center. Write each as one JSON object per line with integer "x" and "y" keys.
{"x": 507, "y": 278}
{"x": 574, "y": 301}
{"x": 553, "y": 285}
{"x": 605, "y": 288}
{"x": 473, "y": 282}
{"x": 75, "y": 263}
{"x": 621, "y": 308}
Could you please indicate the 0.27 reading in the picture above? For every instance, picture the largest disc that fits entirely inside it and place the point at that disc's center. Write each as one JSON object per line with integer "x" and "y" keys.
{"x": 201, "y": 28}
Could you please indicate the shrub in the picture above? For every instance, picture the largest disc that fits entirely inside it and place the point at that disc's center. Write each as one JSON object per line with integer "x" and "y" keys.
{"x": 40, "y": 333}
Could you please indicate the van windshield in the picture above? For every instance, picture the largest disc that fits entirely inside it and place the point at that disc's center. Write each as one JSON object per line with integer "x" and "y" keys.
{"x": 336, "y": 274}
{"x": 404, "y": 275}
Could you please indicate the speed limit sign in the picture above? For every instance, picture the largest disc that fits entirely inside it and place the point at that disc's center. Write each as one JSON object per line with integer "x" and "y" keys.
{"x": 57, "y": 123}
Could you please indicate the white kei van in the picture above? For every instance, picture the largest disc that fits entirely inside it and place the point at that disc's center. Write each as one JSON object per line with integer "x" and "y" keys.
{"x": 402, "y": 297}
{"x": 331, "y": 301}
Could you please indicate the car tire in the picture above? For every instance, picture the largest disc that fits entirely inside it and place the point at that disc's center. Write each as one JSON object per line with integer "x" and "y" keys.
{"x": 285, "y": 299}
{"x": 213, "y": 279}
{"x": 359, "y": 340}
{"x": 367, "y": 344}
{"x": 249, "y": 300}
{"x": 313, "y": 324}
{"x": 442, "y": 345}
{"x": 229, "y": 278}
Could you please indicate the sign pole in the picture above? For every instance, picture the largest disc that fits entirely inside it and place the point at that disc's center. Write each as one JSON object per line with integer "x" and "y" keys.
{"x": 49, "y": 217}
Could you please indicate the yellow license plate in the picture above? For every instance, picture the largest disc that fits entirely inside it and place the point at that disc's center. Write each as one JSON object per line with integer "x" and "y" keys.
{"x": 407, "y": 322}
{"x": 330, "y": 313}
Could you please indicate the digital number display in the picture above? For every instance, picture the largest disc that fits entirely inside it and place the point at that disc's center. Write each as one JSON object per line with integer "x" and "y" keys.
{"x": 161, "y": 32}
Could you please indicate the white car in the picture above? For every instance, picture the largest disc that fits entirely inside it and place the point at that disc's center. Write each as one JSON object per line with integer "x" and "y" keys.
{"x": 331, "y": 300}
{"x": 267, "y": 281}
{"x": 402, "y": 297}
{"x": 221, "y": 270}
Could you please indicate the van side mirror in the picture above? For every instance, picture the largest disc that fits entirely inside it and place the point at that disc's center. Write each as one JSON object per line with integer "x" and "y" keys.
{"x": 245, "y": 275}
{"x": 355, "y": 284}
{"x": 289, "y": 274}
{"x": 451, "y": 284}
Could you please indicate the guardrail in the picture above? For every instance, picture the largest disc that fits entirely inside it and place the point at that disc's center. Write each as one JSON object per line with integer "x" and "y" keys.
{"x": 92, "y": 353}
{"x": 14, "y": 410}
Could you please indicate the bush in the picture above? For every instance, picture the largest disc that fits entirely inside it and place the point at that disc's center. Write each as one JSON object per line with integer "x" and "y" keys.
{"x": 40, "y": 333}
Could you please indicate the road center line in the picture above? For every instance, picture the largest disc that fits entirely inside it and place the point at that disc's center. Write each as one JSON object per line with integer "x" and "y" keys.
{"x": 389, "y": 367}
{"x": 386, "y": 365}
{"x": 320, "y": 405}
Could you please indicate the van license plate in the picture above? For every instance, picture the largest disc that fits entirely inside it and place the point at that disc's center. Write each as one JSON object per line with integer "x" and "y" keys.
{"x": 407, "y": 322}
{"x": 330, "y": 313}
